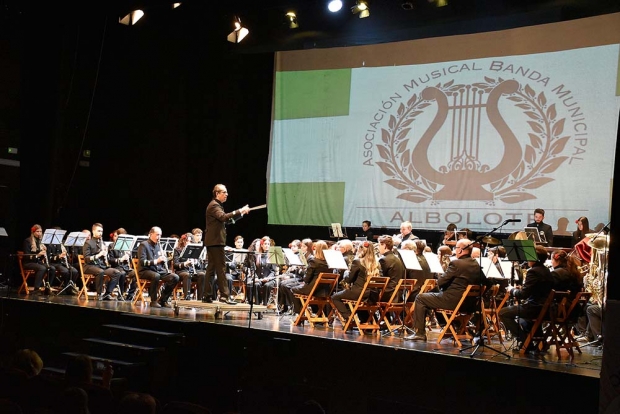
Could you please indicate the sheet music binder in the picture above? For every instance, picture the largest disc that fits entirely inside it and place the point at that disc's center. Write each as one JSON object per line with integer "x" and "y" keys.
{"x": 191, "y": 251}
{"x": 292, "y": 258}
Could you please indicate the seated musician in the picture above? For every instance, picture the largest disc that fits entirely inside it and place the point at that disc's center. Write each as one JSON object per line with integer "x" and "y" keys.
{"x": 96, "y": 258}
{"x": 583, "y": 228}
{"x": 35, "y": 258}
{"x": 419, "y": 275}
{"x": 188, "y": 270}
{"x": 532, "y": 296}
{"x": 291, "y": 277}
{"x": 566, "y": 275}
{"x": 346, "y": 248}
{"x": 449, "y": 236}
{"x": 316, "y": 266}
{"x": 406, "y": 232}
{"x": 121, "y": 261}
{"x": 153, "y": 266}
{"x": 296, "y": 279}
{"x": 391, "y": 265}
{"x": 363, "y": 266}
{"x": 539, "y": 216}
{"x": 461, "y": 272}
{"x": 234, "y": 267}
{"x": 265, "y": 272}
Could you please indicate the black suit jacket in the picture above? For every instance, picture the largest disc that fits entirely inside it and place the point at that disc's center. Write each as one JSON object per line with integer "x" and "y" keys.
{"x": 538, "y": 284}
{"x": 392, "y": 267}
{"x": 460, "y": 273}
{"x": 215, "y": 233}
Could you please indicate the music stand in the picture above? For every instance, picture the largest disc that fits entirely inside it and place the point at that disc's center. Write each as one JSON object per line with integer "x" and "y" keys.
{"x": 48, "y": 236}
{"x": 139, "y": 241}
{"x": 275, "y": 256}
{"x": 534, "y": 235}
{"x": 124, "y": 243}
{"x": 336, "y": 231}
{"x": 433, "y": 262}
{"x": 335, "y": 259}
{"x": 411, "y": 262}
{"x": 520, "y": 250}
{"x": 168, "y": 244}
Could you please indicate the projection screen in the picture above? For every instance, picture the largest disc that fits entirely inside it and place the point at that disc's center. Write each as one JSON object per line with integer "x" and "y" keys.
{"x": 471, "y": 130}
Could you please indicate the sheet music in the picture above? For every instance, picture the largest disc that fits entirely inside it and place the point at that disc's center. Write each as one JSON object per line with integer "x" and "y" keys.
{"x": 293, "y": 259}
{"x": 48, "y": 236}
{"x": 337, "y": 229}
{"x": 433, "y": 262}
{"x": 334, "y": 259}
{"x": 410, "y": 259}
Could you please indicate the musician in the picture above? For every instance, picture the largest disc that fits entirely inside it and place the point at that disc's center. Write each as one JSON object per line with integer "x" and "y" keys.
{"x": 297, "y": 279}
{"x": 188, "y": 270}
{"x": 121, "y": 261}
{"x": 364, "y": 265}
{"x": 532, "y": 296}
{"x": 539, "y": 216}
{"x": 445, "y": 253}
{"x": 449, "y": 236}
{"x": 59, "y": 259}
{"x": 265, "y": 272}
{"x": 366, "y": 230}
{"x": 566, "y": 275}
{"x": 35, "y": 258}
{"x": 153, "y": 266}
{"x": 346, "y": 248}
{"x": 583, "y": 228}
{"x": 197, "y": 235}
{"x": 215, "y": 240}
{"x": 462, "y": 271}
{"x": 420, "y": 276}
{"x": 406, "y": 232}
{"x": 391, "y": 265}
{"x": 235, "y": 268}
{"x": 316, "y": 265}
{"x": 96, "y": 258}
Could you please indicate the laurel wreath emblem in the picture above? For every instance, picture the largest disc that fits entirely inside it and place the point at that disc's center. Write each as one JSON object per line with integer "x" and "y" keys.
{"x": 540, "y": 158}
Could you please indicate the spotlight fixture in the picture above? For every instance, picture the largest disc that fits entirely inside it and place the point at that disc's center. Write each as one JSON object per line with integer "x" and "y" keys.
{"x": 361, "y": 7}
{"x": 334, "y": 5}
{"x": 175, "y": 5}
{"x": 291, "y": 19}
{"x": 239, "y": 33}
{"x": 439, "y": 3}
{"x": 131, "y": 18}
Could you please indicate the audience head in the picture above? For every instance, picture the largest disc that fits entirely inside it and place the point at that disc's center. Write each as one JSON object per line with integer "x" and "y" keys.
{"x": 27, "y": 361}
{"x": 74, "y": 401}
{"x": 79, "y": 370}
{"x": 137, "y": 403}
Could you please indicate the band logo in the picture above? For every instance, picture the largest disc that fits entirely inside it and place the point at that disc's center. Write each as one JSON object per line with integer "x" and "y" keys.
{"x": 468, "y": 116}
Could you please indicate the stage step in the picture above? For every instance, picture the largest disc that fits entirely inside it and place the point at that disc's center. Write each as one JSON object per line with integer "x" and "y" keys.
{"x": 140, "y": 335}
{"x": 121, "y": 368}
{"x": 120, "y": 350}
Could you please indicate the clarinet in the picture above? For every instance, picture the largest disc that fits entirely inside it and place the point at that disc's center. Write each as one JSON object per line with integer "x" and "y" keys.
{"x": 162, "y": 253}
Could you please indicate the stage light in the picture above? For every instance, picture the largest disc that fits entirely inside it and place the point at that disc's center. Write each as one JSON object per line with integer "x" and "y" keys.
{"x": 132, "y": 18}
{"x": 239, "y": 33}
{"x": 362, "y": 8}
{"x": 334, "y": 5}
{"x": 175, "y": 5}
{"x": 439, "y": 3}
{"x": 292, "y": 20}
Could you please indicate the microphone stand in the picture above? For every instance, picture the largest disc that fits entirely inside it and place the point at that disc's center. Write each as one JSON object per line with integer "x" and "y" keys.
{"x": 480, "y": 304}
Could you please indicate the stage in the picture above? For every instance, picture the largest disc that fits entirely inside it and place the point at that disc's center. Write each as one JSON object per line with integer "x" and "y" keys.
{"x": 260, "y": 362}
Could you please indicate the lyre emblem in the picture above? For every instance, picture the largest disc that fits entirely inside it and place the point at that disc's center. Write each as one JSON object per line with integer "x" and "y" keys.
{"x": 465, "y": 108}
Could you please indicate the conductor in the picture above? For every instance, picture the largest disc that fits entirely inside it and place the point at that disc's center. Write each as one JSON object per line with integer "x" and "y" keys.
{"x": 215, "y": 240}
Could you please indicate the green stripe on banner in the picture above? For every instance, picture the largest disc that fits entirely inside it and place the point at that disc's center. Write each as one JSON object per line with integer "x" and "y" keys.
{"x": 312, "y": 94}
{"x": 311, "y": 204}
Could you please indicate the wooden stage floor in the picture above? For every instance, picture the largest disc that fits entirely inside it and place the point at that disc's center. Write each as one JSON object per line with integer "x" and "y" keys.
{"x": 588, "y": 363}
